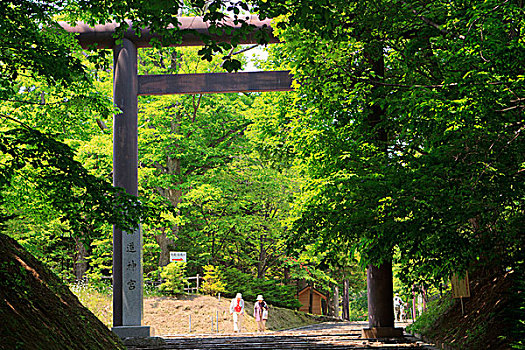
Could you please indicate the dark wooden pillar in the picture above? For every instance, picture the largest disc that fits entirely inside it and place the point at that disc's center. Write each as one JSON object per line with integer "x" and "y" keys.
{"x": 127, "y": 246}
{"x": 380, "y": 292}
{"x": 379, "y": 278}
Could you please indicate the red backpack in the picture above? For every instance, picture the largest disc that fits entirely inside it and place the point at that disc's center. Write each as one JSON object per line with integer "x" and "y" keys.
{"x": 238, "y": 308}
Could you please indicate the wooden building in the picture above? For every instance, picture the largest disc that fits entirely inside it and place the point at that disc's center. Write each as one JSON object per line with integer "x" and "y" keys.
{"x": 318, "y": 301}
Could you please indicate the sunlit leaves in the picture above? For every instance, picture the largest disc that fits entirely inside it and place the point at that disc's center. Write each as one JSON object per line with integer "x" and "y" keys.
{"x": 450, "y": 170}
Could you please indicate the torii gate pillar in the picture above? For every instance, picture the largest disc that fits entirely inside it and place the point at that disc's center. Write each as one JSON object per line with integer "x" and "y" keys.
{"x": 127, "y": 246}
{"x": 380, "y": 303}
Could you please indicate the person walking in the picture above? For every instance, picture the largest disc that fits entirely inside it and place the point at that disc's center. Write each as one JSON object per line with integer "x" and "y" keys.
{"x": 398, "y": 302}
{"x": 260, "y": 312}
{"x": 237, "y": 310}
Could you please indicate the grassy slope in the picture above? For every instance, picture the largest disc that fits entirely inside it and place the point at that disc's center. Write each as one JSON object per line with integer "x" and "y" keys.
{"x": 485, "y": 323}
{"x": 37, "y": 311}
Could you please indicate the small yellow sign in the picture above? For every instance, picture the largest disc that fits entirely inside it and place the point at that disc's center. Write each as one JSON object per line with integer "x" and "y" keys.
{"x": 460, "y": 286}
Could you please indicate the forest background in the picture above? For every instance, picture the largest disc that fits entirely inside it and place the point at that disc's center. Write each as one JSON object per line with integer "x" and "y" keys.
{"x": 214, "y": 170}
{"x": 402, "y": 142}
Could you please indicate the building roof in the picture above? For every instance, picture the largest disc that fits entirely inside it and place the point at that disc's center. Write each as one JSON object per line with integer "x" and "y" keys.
{"x": 315, "y": 291}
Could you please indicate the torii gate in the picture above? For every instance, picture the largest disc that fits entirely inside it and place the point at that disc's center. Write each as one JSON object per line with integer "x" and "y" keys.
{"x": 127, "y": 86}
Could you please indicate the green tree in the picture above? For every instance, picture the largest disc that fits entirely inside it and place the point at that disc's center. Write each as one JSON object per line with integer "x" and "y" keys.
{"x": 183, "y": 137}
{"x": 48, "y": 105}
{"x": 213, "y": 283}
{"x": 236, "y": 217}
{"x": 68, "y": 193}
{"x": 174, "y": 275}
{"x": 439, "y": 175}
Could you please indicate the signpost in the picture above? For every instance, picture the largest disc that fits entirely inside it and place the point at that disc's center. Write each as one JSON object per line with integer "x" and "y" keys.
{"x": 178, "y": 256}
{"x": 460, "y": 288}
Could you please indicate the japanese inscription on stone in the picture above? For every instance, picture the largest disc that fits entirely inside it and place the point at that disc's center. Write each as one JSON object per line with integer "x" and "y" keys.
{"x": 132, "y": 277}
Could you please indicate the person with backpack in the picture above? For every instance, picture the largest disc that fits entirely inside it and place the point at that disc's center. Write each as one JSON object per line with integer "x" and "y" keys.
{"x": 237, "y": 310}
{"x": 260, "y": 312}
{"x": 398, "y": 304}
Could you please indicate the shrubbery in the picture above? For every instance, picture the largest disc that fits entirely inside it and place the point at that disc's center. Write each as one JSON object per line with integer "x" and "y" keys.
{"x": 174, "y": 276}
{"x": 213, "y": 283}
{"x": 517, "y": 314}
{"x": 435, "y": 309}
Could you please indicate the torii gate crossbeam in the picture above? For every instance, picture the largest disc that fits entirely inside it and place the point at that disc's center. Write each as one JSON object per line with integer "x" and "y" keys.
{"x": 210, "y": 83}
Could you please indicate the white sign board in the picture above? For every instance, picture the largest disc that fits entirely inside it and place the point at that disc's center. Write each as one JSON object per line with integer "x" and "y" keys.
{"x": 178, "y": 256}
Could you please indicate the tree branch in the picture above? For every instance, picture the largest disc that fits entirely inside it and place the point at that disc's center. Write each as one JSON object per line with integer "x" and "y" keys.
{"x": 430, "y": 22}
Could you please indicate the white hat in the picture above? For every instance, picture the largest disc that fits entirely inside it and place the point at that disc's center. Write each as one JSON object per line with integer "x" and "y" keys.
{"x": 238, "y": 296}
{"x": 259, "y": 297}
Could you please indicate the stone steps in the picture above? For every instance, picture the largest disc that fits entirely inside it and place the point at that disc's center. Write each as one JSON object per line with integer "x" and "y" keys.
{"x": 324, "y": 336}
{"x": 275, "y": 342}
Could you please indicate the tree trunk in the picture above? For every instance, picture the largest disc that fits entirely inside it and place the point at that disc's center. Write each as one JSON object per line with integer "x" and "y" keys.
{"x": 311, "y": 300}
{"x": 80, "y": 265}
{"x": 346, "y": 301}
{"x": 261, "y": 264}
{"x": 336, "y": 301}
{"x": 165, "y": 244}
{"x": 379, "y": 278}
{"x": 324, "y": 307}
{"x": 330, "y": 303}
{"x": 286, "y": 273}
{"x": 380, "y": 291}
